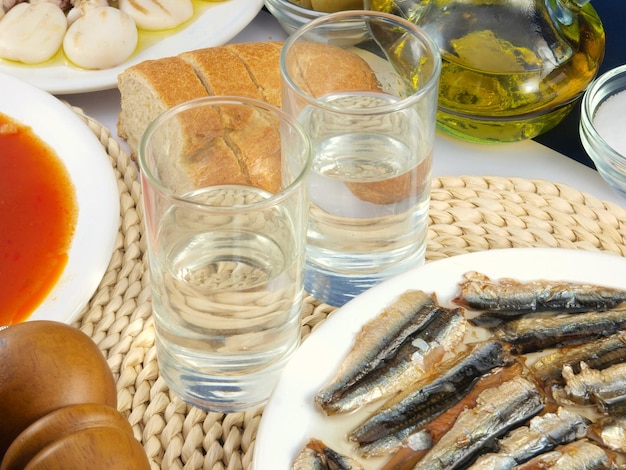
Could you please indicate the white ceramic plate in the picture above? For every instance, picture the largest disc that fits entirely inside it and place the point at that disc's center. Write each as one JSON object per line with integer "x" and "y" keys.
{"x": 290, "y": 419}
{"x": 96, "y": 193}
{"x": 219, "y": 23}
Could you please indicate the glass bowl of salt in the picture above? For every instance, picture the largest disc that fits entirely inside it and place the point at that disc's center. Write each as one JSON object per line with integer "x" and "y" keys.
{"x": 603, "y": 126}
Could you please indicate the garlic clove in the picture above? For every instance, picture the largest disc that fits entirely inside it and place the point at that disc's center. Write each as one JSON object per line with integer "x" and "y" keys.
{"x": 32, "y": 33}
{"x": 154, "y": 15}
{"x": 102, "y": 38}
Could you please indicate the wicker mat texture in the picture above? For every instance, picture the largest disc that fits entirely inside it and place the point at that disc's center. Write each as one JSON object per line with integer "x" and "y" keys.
{"x": 467, "y": 214}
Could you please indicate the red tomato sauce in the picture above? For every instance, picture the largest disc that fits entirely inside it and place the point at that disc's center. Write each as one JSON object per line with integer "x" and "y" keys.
{"x": 38, "y": 213}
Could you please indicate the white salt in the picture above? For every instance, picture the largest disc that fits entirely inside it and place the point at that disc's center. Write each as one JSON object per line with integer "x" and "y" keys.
{"x": 610, "y": 121}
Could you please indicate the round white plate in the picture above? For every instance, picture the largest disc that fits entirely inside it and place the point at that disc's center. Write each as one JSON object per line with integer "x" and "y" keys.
{"x": 290, "y": 418}
{"x": 219, "y": 23}
{"x": 96, "y": 192}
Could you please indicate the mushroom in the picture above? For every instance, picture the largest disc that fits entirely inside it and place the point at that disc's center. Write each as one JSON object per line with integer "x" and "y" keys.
{"x": 32, "y": 33}
{"x": 155, "y": 15}
{"x": 102, "y": 37}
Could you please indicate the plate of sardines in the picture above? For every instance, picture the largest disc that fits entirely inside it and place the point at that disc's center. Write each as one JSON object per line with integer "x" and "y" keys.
{"x": 502, "y": 359}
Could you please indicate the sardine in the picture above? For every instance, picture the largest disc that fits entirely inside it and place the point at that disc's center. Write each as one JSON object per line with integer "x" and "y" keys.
{"x": 378, "y": 341}
{"x": 414, "y": 450}
{"x": 387, "y": 429}
{"x": 577, "y": 455}
{"x": 598, "y": 354}
{"x": 594, "y": 386}
{"x": 610, "y": 432}
{"x": 615, "y": 406}
{"x": 542, "y": 434}
{"x": 318, "y": 456}
{"x": 507, "y": 298}
{"x": 535, "y": 333}
{"x": 497, "y": 410}
{"x": 420, "y": 352}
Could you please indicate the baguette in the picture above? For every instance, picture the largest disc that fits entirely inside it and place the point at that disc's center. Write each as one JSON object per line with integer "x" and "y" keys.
{"x": 249, "y": 156}
{"x": 151, "y": 87}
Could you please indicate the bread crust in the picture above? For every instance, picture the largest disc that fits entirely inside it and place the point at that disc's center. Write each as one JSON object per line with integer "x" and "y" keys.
{"x": 262, "y": 59}
{"x": 148, "y": 89}
{"x": 222, "y": 72}
{"x": 252, "y": 140}
{"x": 321, "y": 69}
{"x": 249, "y": 155}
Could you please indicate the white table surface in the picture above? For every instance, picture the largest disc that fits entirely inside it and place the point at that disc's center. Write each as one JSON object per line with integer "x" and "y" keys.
{"x": 452, "y": 157}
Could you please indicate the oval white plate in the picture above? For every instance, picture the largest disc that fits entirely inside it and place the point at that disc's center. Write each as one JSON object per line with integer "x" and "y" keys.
{"x": 290, "y": 419}
{"x": 96, "y": 191}
{"x": 219, "y": 23}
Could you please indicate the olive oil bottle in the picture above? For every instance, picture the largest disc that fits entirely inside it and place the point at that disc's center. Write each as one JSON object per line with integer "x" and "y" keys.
{"x": 511, "y": 69}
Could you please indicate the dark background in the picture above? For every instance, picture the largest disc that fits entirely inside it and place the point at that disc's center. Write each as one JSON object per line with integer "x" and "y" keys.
{"x": 564, "y": 138}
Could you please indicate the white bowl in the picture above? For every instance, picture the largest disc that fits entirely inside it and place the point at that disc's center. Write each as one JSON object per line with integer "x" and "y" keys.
{"x": 603, "y": 126}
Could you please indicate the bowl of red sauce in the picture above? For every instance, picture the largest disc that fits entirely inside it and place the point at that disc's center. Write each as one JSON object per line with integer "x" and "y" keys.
{"x": 59, "y": 206}
{"x": 38, "y": 215}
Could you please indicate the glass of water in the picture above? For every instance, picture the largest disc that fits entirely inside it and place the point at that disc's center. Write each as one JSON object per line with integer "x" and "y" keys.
{"x": 224, "y": 183}
{"x": 364, "y": 86}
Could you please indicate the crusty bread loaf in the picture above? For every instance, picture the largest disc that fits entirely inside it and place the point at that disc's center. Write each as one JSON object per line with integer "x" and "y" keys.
{"x": 246, "y": 69}
{"x": 249, "y": 156}
{"x": 150, "y": 87}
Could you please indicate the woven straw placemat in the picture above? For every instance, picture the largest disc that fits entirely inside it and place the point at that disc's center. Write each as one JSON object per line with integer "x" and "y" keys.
{"x": 467, "y": 214}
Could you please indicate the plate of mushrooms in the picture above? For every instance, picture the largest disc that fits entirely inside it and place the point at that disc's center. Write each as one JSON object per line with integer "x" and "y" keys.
{"x": 75, "y": 46}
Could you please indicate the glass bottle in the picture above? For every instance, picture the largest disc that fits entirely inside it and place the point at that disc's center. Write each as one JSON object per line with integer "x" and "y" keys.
{"x": 511, "y": 69}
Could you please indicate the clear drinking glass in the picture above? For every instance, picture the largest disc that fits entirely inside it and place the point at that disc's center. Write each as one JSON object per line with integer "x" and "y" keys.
{"x": 364, "y": 86}
{"x": 226, "y": 247}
